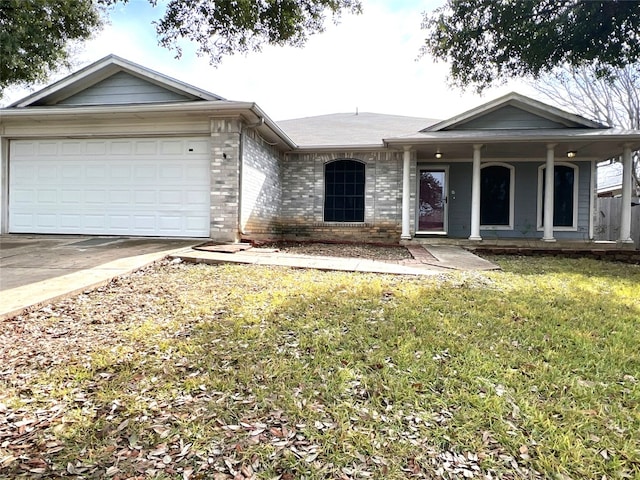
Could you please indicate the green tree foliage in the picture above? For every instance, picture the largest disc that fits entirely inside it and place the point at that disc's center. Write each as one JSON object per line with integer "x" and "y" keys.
{"x": 36, "y": 35}
{"x": 489, "y": 40}
{"x": 224, "y": 27}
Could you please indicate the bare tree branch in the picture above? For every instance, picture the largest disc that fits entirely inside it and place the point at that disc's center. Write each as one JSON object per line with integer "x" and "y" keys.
{"x": 613, "y": 100}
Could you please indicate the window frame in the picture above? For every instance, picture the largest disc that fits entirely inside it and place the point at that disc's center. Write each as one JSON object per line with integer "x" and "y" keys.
{"x": 512, "y": 195}
{"x": 576, "y": 189}
{"x": 325, "y": 195}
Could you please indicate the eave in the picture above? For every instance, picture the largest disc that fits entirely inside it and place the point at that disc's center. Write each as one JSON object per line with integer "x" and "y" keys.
{"x": 589, "y": 143}
{"x": 253, "y": 115}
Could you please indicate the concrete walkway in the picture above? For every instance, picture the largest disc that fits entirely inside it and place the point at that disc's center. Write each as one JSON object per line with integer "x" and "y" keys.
{"x": 15, "y": 300}
{"x": 427, "y": 260}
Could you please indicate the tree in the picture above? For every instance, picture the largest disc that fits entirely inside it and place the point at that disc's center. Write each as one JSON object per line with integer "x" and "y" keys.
{"x": 224, "y": 27}
{"x": 36, "y": 36}
{"x": 489, "y": 40}
{"x": 613, "y": 100}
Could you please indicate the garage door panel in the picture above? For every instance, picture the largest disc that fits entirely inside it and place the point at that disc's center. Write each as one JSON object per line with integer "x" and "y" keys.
{"x": 47, "y": 173}
{"x": 171, "y": 147}
{"x": 121, "y": 147}
{"x": 69, "y": 148}
{"x": 94, "y": 147}
{"x": 47, "y": 149}
{"x": 105, "y": 190}
{"x": 71, "y": 197}
{"x": 70, "y": 221}
{"x": 47, "y": 197}
{"x": 120, "y": 197}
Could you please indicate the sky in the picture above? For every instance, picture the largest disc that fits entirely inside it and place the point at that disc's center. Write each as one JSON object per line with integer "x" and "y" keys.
{"x": 368, "y": 62}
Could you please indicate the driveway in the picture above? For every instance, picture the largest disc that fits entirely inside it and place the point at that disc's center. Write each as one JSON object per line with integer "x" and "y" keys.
{"x": 29, "y": 259}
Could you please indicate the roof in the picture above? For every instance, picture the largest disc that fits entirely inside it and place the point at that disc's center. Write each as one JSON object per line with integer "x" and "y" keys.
{"x": 101, "y": 70}
{"x": 513, "y": 99}
{"x": 350, "y": 129}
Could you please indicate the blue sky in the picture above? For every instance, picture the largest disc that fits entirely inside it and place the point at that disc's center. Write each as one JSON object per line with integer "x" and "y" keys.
{"x": 369, "y": 62}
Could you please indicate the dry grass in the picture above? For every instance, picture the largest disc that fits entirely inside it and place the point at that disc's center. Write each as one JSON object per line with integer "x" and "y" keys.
{"x": 185, "y": 372}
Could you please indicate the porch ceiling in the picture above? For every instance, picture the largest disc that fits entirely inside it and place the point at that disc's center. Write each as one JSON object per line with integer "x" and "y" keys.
{"x": 523, "y": 144}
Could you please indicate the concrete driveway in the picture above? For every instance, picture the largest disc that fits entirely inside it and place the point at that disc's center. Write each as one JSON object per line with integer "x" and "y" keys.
{"x": 40, "y": 268}
{"x": 27, "y": 259}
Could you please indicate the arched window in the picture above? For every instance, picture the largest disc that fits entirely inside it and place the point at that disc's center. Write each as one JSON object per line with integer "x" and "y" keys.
{"x": 496, "y": 196}
{"x": 344, "y": 191}
{"x": 565, "y": 196}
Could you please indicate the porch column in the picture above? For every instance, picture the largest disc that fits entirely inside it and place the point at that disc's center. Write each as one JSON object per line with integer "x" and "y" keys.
{"x": 475, "y": 194}
{"x": 549, "y": 183}
{"x": 406, "y": 194}
{"x": 625, "y": 214}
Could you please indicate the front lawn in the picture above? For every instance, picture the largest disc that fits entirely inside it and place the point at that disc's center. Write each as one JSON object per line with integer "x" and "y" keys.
{"x": 199, "y": 372}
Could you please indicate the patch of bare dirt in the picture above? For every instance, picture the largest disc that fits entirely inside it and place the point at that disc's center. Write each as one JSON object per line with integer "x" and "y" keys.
{"x": 349, "y": 250}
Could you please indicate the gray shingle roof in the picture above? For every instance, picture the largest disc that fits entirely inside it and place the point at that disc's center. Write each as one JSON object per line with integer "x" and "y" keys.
{"x": 355, "y": 129}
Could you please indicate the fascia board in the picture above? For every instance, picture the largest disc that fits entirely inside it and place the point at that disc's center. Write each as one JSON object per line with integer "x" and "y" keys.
{"x": 520, "y": 101}
{"x": 215, "y": 108}
{"x": 107, "y": 66}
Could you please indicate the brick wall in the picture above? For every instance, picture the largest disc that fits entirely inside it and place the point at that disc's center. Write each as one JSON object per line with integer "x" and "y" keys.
{"x": 225, "y": 188}
{"x": 301, "y": 216}
{"x": 261, "y": 187}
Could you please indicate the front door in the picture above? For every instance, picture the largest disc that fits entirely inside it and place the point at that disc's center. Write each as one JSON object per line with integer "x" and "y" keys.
{"x": 432, "y": 200}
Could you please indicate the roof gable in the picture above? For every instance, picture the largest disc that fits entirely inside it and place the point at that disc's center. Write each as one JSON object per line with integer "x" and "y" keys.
{"x": 114, "y": 80}
{"x": 514, "y": 112}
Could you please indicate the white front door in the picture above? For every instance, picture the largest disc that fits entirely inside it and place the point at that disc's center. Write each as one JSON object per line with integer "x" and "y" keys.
{"x": 124, "y": 186}
{"x": 432, "y": 200}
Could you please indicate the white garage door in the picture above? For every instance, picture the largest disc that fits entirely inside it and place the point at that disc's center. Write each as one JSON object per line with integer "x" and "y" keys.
{"x": 133, "y": 186}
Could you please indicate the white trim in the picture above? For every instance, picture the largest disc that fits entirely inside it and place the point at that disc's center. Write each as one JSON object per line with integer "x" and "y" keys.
{"x": 576, "y": 188}
{"x": 406, "y": 195}
{"x": 593, "y": 195}
{"x": 104, "y": 68}
{"x": 445, "y": 188}
{"x": 625, "y": 211}
{"x": 519, "y": 101}
{"x": 512, "y": 195}
{"x": 511, "y": 160}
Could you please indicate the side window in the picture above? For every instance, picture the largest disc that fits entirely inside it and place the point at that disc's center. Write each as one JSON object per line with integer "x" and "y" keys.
{"x": 344, "y": 191}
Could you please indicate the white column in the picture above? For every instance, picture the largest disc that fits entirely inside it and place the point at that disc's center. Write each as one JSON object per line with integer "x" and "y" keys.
{"x": 475, "y": 194}
{"x": 549, "y": 183}
{"x": 625, "y": 215}
{"x": 406, "y": 194}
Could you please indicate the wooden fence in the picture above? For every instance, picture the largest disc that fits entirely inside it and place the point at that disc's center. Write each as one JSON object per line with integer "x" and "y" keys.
{"x": 607, "y": 225}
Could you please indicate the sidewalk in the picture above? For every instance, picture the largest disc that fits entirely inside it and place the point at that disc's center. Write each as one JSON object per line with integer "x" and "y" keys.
{"x": 431, "y": 261}
{"x": 434, "y": 261}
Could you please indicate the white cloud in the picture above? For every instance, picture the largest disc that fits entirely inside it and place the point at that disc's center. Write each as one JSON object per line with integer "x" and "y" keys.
{"x": 367, "y": 61}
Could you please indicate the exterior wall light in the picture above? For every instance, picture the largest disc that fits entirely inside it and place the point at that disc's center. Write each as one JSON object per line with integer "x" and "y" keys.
{"x": 571, "y": 153}
{"x": 438, "y": 155}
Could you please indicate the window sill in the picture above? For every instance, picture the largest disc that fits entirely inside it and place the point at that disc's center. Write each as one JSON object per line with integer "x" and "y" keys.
{"x": 560, "y": 229}
{"x": 492, "y": 228}
{"x": 342, "y": 224}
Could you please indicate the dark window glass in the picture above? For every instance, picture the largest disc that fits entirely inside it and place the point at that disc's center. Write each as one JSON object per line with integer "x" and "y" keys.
{"x": 495, "y": 191}
{"x": 344, "y": 191}
{"x": 564, "y": 179}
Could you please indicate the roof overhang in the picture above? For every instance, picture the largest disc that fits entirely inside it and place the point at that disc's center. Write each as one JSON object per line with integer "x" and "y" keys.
{"x": 252, "y": 115}
{"x": 522, "y": 102}
{"x": 102, "y": 69}
{"x": 518, "y": 144}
